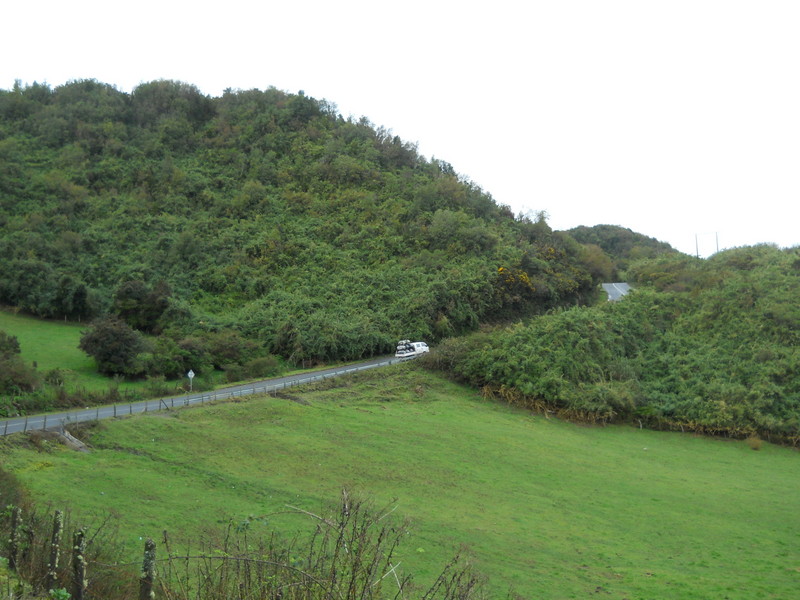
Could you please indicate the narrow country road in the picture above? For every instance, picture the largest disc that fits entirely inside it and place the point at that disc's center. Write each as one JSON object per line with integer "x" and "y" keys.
{"x": 616, "y": 291}
{"x": 56, "y": 420}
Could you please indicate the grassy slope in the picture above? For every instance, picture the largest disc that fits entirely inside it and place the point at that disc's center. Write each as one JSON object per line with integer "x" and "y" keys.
{"x": 548, "y": 508}
{"x": 53, "y": 344}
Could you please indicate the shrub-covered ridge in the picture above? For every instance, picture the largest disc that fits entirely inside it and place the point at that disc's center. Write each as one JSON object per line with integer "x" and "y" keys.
{"x": 259, "y": 211}
{"x": 708, "y": 346}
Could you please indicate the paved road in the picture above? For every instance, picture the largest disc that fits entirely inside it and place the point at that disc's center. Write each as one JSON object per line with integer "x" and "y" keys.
{"x": 57, "y": 420}
{"x": 616, "y": 291}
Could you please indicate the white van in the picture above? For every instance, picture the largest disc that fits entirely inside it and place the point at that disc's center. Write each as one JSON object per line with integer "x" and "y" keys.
{"x": 408, "y": 349}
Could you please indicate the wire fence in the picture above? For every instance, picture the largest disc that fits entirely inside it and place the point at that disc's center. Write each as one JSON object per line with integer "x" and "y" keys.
{"x": 61, "y": 419}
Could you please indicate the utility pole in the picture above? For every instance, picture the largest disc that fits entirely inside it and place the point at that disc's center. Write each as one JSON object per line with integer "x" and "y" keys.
{"x": 697, "y": 242}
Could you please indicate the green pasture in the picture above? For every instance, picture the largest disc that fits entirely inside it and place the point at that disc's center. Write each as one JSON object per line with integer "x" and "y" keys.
{"x": 50, "y": 344}
{"x": 545, "y": 508}
{"x": 54, "y": 345}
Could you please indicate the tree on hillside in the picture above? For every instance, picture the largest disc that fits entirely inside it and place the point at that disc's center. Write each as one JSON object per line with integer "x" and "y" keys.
{"x": 113, "y": 345}
{"x": 598, "y": 263}
{"x": 28, "y": 284}
{"x": 15, "y": 375}
{"x": 72, "y": 298}
{"x": 9, "y": 345}
{"x": 140, "y": 306}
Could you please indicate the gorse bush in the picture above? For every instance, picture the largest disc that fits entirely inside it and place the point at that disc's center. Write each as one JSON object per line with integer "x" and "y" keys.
{"x": 754, "y": 442}
{"x": 265, "y": 366}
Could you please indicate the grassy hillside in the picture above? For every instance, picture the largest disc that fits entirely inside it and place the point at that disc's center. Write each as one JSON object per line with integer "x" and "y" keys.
{"x": 550, "y": 509}
{"x": 51, "y": 345}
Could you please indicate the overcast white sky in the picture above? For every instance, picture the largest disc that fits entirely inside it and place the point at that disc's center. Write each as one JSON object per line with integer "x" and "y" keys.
{"x": 679, "y": 119}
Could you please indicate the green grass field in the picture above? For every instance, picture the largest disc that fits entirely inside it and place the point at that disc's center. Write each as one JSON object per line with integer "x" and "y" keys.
{"x": 51, "y": 344}
{"x": 546, "y": 508}
{"x": 54, "y": 345}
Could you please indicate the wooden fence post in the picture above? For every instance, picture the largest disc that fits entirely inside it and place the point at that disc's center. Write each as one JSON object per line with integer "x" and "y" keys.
{"x": 55, "y": 549}
{"x": 78, "y": 588}
{"x": 148, "y": 571}
{"x": 16, "y": 529}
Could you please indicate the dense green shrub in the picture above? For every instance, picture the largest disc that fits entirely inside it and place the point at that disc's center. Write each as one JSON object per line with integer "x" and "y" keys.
{"x": 15, "y": 376}
{"x": 9, "y": 345}
{"x": 263, "y": 366}
{"x": 114, "y": 346}
{"x": 233, "y": 373}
